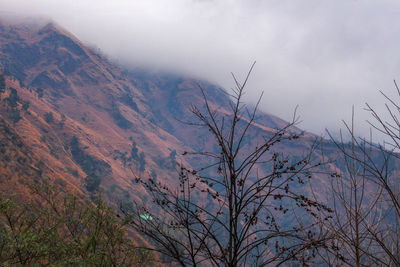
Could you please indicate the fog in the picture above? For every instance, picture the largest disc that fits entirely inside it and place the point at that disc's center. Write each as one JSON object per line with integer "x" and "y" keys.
{"x": 324, "y": 56}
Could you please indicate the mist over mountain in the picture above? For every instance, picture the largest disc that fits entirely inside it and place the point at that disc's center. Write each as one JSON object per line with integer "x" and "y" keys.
{"x": 98, "y": 128}
{"x": 87, "y": 119}
{"x": 84, "y": 116}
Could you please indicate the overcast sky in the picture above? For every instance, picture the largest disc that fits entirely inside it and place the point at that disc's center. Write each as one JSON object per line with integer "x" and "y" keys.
{"x": 323, "y": 55}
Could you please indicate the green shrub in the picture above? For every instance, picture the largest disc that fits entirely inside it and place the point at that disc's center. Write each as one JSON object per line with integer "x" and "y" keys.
{"x": 60, "y": 230}
{"x": 92, "y": 182}
{"x": 142, "y": 162}
{"x": 48, "y": 117}
{"x": 154, "y": 175}
{"x": 39, "y": 92}
{"x": 15, "y": 115}
{"x": 13, "y": 98}
{"x": 2, "y": 83}
{"x": 134, "y": 151}
{"x": 73, "y": 172}
{"x": 62, "y": 121}
{"x": 25, "y": 105}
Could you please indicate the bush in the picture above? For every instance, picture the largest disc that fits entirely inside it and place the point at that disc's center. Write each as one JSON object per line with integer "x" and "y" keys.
{"x": 48, "y": 117}
{"x": 25, "y": 105}
{"x": 39, "y": 92}
{"x": 15, "y": 115}
{"x": 63, "y": 231}
{"x": 62, "y": 121}
{"x": 73, "y": 172}
{"x": 92, "y": 183}
{"x": 119, "y": 119}
{"x": 2, "y": 83}
{"x": 142, "y": 162}
{"x": 154, "y": 175}
{"x": 13, "y": 98}
{"x": 134, "y": 151}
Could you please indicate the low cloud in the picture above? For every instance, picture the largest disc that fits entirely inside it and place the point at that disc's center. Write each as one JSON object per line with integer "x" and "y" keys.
{"x": 324, "y": 56}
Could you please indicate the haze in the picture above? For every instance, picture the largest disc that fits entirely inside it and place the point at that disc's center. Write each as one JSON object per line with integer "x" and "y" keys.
{"x": 324, "y": 56}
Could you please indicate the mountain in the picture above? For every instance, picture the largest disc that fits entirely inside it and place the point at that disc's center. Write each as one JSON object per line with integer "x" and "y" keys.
{"x": 71, "y": 117}
{"x": 86, "y": 123}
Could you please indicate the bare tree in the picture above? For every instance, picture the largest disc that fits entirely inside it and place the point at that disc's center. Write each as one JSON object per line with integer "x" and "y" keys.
{"x": 385, "y": 174}
{"x": 355, "y": 201}
{"x": 244, "y": 208}
{"x": 366, "y": 195}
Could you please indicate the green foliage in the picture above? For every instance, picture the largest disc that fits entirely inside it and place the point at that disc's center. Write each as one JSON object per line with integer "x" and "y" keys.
{"x": 134, "y": 151}
{"x": 12, "y": 101}
{"x": 77, "y": 153}
{"x": 125, "y": 194}
{"x": 62, "y": 121}
{"x": 119, "y": 119}
{"x": 63, "y": 231}
{"x": 167, "y": 162}
{"x": 154, "y": 175}
{"x": 39, "y": 92}
{"x": 53, "y": 153}
{"x": 172, "y": 155}
{"x": 123, "y": 156}
{"x": 13, "y": 98}
{"x": 25, "y": 105}
{"x": 93, "y": 167}
{"x": 113, "y": 187}
{"x": 48, "y": 117}
{"x": 2, "y": 83}
{"x": 92, "y": 182}
{"x": 73, "y": 172}
{"x": 142, "y": 162}
{"x": 172, "y": 158}
{"x": 14, "y": 115}
{"x": 43, "y": 139}
{"x": 127, "y": 206}
{"x": 89, "y": 164}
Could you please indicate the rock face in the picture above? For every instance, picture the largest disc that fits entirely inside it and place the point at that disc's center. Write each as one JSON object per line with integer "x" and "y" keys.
{"x": 92, "y": 124}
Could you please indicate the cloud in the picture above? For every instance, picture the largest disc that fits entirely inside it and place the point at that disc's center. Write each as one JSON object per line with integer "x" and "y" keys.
{"x": 324, "y": 56}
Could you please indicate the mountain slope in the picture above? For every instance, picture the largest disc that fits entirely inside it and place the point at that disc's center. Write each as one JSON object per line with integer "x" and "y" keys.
{"x": 97, "y": 124}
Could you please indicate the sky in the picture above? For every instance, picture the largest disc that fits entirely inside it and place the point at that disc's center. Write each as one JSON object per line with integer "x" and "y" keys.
{"x": 324, "y": 56}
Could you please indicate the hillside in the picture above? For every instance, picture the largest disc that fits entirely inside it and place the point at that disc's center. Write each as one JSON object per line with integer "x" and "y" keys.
{"x": 93, "y": 124}
{"x": 110, "y": 165}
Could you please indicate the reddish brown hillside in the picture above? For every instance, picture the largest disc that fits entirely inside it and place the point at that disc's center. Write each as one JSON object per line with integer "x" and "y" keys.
{"x": 90, "y": 99}
{"x": 107, "y": 124}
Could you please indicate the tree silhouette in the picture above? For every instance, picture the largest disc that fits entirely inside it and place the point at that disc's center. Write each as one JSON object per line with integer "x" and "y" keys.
{"x": 233, "y": 214}
{"x": 366, "y": 226}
